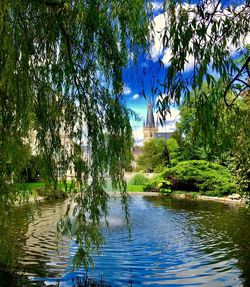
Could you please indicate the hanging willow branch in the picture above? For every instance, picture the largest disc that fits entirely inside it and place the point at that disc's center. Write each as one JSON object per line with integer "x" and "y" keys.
{"x": 235, "y": 79}
{"x": 61, "y": 77}
{"x": 208, "y": 36}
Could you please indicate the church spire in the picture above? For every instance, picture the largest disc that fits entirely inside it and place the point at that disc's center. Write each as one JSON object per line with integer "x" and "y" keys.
{"x": 150, "y": 122}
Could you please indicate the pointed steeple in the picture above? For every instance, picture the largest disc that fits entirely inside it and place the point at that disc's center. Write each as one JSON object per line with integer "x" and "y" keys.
{"x": 150, "y": 122}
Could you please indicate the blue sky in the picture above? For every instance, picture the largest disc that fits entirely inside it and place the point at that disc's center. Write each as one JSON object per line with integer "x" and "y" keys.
{"x": 138, "y": 77}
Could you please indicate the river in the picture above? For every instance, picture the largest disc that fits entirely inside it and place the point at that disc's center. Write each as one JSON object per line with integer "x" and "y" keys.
{"x": 174, "y": 242}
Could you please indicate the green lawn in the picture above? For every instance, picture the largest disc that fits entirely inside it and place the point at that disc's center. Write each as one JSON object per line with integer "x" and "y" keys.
{"x": 134, "y": 188}
{"x": 32, "y": 186}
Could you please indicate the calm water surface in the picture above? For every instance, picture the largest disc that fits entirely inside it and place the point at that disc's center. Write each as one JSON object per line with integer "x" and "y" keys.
{"x": 173, "y": 243}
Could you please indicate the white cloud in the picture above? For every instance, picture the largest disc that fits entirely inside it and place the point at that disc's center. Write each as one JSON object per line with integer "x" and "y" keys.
{"x": 160, "y": 99}
{"x": 167, "y": 55}
{"x": 135, "y": 97}
{"x": 173, "y": 116}
{"x": 138, "y": 135}
{"x": 161, "y": 23}
{"x": 126, "y": 90}
{"x": 170, "y": 121}
{"x": 157, "y": 5}
{"x": 157, "y": 50}
{"x": 131, "y": 56}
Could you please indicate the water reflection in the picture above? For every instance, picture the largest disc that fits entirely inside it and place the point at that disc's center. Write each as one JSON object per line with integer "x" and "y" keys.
{"x": 173, "y": 243}
{"x": 219, "y": 231}
{"x": 14, "y": 224}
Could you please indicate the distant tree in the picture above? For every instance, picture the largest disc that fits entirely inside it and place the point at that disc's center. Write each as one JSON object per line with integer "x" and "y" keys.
{"x": 152, "y": 158}
{"x": 189, "y": 134}
{"x": 174, "y": 151}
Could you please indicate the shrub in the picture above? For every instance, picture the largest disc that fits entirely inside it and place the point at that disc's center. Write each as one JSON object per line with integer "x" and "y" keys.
{"x": 158, "y": 184}
{"x": 150, "y": 187}
{"x": 138, "y": 179}
{"x": 200, "y": 175}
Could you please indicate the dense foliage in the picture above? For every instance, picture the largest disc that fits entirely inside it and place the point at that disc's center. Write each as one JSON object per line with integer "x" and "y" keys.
{"x": 222, "y": 138}
{"x": 157, "y": 154}
{"x": 208, "y": 42}
{"x": 61, "y": 74}
{"x": 200, "y": 175}
{"x": 193, "y": 176}
{"x": 158, "y": 184}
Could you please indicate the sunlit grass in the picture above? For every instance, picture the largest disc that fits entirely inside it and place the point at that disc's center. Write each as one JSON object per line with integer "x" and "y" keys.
{"x": 32, "y": 187}
{"x": 134, "y": 188}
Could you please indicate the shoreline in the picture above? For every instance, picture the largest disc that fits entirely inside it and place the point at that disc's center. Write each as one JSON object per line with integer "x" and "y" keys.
{"x": 184, "y": 195}
{"x": 226, "y": 200}
{"x": 187, "y": 196}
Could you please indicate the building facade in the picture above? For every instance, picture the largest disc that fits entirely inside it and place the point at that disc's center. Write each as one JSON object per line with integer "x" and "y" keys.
{"x": 150, "y": 129}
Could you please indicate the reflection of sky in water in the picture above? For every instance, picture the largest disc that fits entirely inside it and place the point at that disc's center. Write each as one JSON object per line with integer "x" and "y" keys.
{"x": 172, "y": 243}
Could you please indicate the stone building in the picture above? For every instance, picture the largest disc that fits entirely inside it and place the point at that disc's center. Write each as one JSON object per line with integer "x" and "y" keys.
{"x": 67, "y": 145}
{"x": 150, "y": 129}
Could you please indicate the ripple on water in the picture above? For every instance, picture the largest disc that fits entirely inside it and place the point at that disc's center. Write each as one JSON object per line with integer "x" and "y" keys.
{"x": 173, "y": 243}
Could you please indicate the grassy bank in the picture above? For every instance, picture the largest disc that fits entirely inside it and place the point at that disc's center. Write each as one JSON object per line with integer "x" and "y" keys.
{"x": 35, "y": 188}
{"x": 192, "y": 178}
{"x": 134, "y": 188}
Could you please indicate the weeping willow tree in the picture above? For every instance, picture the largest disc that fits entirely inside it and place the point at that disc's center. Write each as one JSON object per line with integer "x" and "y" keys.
{"x": 61, "y": 72}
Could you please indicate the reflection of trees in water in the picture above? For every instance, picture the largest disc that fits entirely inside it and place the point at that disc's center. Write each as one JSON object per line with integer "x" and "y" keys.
{"x": 41, "y": 243}
{"x": 217, "y": 227}
{"x": 13, "y": 227}
{"x": 21, "y": 231}
{"x": 14, "y": 222}
{"x": 85, "y": 281}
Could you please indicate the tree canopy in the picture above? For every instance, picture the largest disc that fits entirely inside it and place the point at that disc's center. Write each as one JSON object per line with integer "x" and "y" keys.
{"x": 157, "y": 154}
{"x": 211, "y": 38}
{"x": 221, "y": 135}
{"x": 61, "y": 70}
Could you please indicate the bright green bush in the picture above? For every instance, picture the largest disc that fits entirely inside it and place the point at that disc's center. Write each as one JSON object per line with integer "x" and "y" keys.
{"x": 150, "y": 187}
{"x": 138, "y": 179}
{"x": 158, "y": 184}
{"x": 200, "y": 175}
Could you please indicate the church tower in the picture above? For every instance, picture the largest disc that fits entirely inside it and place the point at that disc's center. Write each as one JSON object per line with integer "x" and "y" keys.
{"x": 149, "y": 128}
